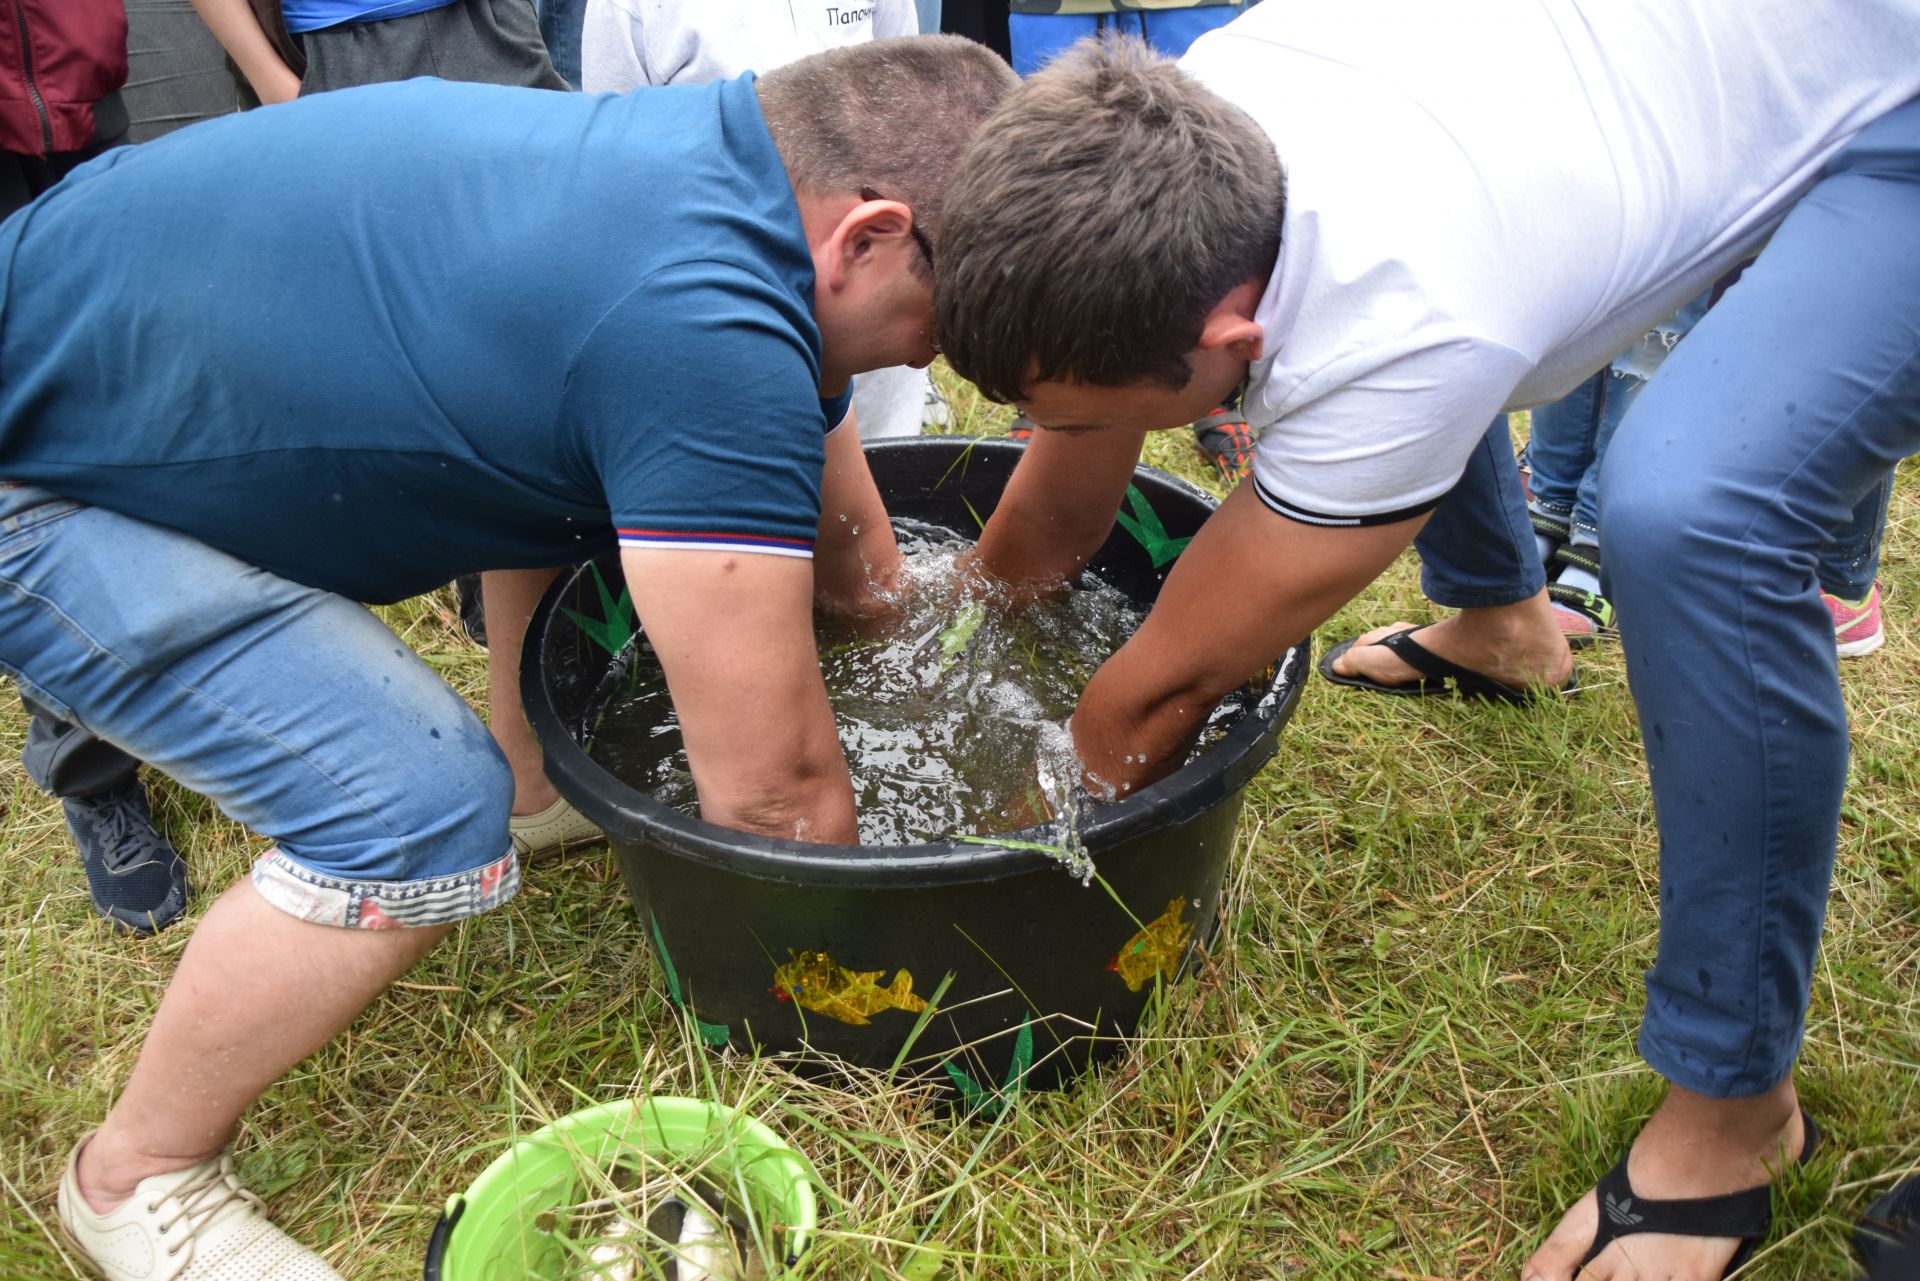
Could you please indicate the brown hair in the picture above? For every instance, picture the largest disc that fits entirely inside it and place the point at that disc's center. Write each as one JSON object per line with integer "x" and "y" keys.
{"x": 893, "y": 115}
{"x": 1097, "y": 219}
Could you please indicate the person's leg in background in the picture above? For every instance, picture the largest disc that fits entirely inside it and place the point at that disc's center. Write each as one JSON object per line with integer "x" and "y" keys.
{"x": 928, "y": 12}
{"x": 1849, "y": 565}
{"x": 1567, "y": 449}
{"x": 1783, "y": 409}
{"x": 541, "y": 820}
{"x": 560, "y": 25}
{"x": 134, "y": 875}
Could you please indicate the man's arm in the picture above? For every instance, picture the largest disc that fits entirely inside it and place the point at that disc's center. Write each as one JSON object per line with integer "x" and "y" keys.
{"x": 1058, "y": 507}
{"x": 238, "y": 31}
{"x": 855, "y": 555}
{"x": 734, "y": 632}
{"x": 1250, "y": 584}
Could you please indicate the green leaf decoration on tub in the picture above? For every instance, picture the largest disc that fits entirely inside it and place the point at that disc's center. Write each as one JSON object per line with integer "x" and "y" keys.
{"x": 615, "y": 627}
{"x": 976, "y": 1097}
{"x": 1147, "y": 530}
{"x": 714, "y": 1034}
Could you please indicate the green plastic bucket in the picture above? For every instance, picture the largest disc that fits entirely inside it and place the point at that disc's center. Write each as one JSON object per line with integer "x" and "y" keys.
{"x": 511, "y": 1224}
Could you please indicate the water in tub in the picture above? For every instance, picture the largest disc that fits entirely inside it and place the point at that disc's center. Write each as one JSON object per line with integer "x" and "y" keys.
{"x": 952, "y": 719}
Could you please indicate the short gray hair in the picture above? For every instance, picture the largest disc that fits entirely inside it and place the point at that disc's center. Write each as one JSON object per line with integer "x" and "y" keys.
{"x": 893, "y": 115}
{"x": 1097, "y": 219}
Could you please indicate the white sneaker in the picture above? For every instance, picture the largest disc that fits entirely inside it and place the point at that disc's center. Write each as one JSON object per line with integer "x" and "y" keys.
{"x": 555, "y": 827}
{"x": 196, "y": 1224}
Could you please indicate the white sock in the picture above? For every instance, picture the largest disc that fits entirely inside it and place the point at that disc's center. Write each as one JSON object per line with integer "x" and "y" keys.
{"x": 1581, "y": 580}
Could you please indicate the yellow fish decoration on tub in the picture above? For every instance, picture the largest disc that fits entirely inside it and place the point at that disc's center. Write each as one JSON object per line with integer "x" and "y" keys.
{"x": 1156, "y": 949}
{"x": 817, "y": 982}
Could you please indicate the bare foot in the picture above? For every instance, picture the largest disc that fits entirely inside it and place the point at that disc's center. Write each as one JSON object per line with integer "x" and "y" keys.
{"x": 1518, "y": 645}
{"x": 1693, "y": 1146}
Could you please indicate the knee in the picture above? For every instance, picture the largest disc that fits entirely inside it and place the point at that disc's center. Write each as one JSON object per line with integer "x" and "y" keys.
{"x": 470, "y": 789}
{"x": 1646, "y": 521}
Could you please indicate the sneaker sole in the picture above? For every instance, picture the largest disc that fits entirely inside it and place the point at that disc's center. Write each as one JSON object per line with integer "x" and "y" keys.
{"x": 1864, "y": 646}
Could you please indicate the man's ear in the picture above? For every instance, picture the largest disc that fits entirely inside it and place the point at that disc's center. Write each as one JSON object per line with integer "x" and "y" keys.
{"x": 1230, "y": 326}
{"x": 861, "y": 234}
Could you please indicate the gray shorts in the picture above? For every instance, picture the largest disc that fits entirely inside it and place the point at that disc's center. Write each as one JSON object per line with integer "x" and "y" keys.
{"x": 482, "y": 41}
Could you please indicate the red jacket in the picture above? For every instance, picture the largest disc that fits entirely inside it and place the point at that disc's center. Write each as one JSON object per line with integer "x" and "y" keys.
{"x": 57, "y": 58}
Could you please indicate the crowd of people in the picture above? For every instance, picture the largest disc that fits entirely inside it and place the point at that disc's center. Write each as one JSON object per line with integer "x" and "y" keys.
{"x": 387, "y": 278}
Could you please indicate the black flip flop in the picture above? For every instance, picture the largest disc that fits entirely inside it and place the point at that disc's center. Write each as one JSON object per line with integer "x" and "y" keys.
{"x": 1438, "y": 677}
{"x": 1747, "y": 1215}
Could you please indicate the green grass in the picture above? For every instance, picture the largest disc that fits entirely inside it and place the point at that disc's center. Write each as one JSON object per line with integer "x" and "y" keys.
{"x": 1411, "y": 1046}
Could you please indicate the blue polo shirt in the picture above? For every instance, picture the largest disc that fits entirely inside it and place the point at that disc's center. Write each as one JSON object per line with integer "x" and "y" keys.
{"x": 374, "y": 338}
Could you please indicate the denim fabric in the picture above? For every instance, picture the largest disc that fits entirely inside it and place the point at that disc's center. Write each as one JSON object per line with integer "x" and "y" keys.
{"x": 1569, "y": 437}
{"x": 1784, "y": 408}
{"x": 1568, "y": 447}
{"x": 295, "y": 711}
{"x": 928, "y": 12}
{"x": 1037, "y": 39}
{"x": 560, "y": 25}
{"x": 1477, "y": 549}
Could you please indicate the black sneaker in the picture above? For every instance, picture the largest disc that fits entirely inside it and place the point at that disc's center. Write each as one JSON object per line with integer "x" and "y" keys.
{"x": 135, "y": 875}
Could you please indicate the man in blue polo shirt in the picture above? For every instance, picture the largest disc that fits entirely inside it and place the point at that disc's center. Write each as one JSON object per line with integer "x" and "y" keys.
{"x": 449, "y": 328}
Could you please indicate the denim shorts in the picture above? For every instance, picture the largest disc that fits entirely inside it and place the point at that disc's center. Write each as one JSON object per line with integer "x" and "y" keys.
{"x": 294, "y": 710}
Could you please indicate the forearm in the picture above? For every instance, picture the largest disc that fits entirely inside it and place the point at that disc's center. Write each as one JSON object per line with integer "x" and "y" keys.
{"x": 856, "y": 559}
{"x": 233, "y": 24}
{"x": 1250, "y": 584}
{"x": 734, "y": 636}
{"x": 1057, "y": 509}
{"x": 1138, "y": 717}
{"x": 810, "y": 801}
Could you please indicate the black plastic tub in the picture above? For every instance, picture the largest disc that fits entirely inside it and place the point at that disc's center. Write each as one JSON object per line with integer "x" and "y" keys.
{"x": 1042, "y": 975}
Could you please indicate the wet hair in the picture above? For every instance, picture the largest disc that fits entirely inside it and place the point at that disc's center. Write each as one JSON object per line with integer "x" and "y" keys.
{"x": 1095, "y": 221}
{"x": 893, "y": 115}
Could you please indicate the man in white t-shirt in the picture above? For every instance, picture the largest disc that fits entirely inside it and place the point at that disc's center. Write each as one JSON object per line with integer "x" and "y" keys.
{"x": 1483, "y": 201}
{"x": 628, "y": 44}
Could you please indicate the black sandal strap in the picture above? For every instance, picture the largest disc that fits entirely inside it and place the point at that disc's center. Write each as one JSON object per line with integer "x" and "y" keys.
{"x": 1436, "y": 671}
{"x": 1746, "y": 1215}
{"x": 1579, "y": 555}
{"x": 1558, "y": 528}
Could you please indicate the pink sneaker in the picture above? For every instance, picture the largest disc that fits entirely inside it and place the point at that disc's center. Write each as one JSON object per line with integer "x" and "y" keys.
{"x": 1856, "y": 627}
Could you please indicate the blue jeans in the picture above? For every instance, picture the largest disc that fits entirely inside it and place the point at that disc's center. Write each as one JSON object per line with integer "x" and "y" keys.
{"x": 1476, "y": 549}
{"x": 928, "y": 11}
{"x": 560, "y": 24}
{"x": 1038, "y": 39}
{"x": 1773, "y": 421}
{"x": 1568, "y": 447}
{"x": 294, "y": 710}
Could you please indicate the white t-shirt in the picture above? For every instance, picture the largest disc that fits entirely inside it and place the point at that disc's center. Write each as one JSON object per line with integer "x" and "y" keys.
{"x": 1489, "y": 199}
{"x": 628, "y": 43}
